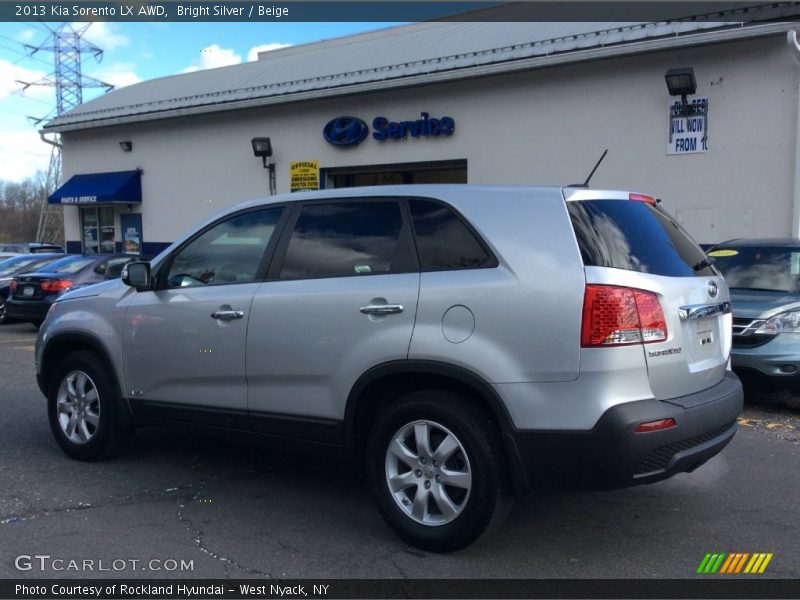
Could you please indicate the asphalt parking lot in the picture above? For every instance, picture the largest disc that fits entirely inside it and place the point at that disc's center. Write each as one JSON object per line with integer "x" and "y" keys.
{"x": 234, "y": 509}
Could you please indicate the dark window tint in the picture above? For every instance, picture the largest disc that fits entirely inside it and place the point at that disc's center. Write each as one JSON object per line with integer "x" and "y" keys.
{"x": 443, "y": 241}
{"x": 229, "y": 252}
{"x": 635, "y": 236}
{"x": 346, "y": 239}
{"x": 759, "y": 268}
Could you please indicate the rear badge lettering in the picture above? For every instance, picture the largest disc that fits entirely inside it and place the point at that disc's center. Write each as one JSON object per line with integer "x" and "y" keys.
{"x": 667, "y": 352}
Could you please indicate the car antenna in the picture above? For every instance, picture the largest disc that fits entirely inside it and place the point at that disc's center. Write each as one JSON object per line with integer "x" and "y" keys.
{"x": 585, "y": 184}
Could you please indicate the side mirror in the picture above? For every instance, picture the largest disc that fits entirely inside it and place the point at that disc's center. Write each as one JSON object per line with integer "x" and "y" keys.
{"x": 137, "y": 274}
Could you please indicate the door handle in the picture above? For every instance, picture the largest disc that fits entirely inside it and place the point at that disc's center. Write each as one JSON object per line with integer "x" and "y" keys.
{"x": 381, "y": 309}
{"x": 227, "y": 315}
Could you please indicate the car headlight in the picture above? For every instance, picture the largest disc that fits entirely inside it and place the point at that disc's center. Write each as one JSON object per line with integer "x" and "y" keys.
{"x": 788, "y": 322}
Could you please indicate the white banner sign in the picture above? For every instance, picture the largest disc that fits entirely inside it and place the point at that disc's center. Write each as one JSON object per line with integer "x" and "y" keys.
{"x": 688, "y": 134}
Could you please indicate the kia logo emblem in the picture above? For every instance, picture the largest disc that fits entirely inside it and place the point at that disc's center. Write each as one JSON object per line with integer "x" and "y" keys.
{"x": 345, "y": 131}
{"x": 713, "y": 290}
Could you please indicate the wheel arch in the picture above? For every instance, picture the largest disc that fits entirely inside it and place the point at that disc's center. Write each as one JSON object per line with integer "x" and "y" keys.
{"x": 384, "y": 383}
{"x": 64, "y": 344}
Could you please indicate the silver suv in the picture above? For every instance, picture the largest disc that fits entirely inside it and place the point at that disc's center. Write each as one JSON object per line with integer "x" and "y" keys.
{"x": 463, "y": 343}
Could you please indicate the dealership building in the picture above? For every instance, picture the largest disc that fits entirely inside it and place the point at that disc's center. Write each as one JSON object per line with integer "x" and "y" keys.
{"x": 477, "y": 102}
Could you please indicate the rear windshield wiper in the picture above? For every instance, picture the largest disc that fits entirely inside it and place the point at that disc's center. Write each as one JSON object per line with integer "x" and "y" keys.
{"x": 706, "y": 262}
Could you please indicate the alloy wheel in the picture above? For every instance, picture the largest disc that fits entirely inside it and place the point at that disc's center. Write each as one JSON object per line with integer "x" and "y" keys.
{"x": 78, "y": 407}
{"x": 428, "y": 472}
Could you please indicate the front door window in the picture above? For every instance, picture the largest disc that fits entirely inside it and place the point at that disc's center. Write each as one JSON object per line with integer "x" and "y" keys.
{"x": 99, "y": 232}
{"x": 108, "y": 238}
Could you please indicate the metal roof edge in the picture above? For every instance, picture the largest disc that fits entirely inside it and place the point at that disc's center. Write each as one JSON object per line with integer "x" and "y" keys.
{"x": 621, "y": 50}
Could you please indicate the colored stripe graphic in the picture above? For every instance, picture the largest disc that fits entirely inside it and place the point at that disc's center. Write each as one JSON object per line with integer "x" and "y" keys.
{"x": 734, "y": 563}
{"x": 766, "y": 562}
{"x": 731, "y": 560}
{"x": 741, "y": 562}
{"x": 718, "y": 564}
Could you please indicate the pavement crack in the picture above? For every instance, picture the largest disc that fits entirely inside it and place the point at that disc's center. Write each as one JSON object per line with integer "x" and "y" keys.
{"x": 401, "y": 570}
{"x": 198, "y": 534}
{"x": 128, "y": 499}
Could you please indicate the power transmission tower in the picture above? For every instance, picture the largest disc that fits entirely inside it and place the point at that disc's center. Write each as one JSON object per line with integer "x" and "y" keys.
{"x": 68, "y": 47}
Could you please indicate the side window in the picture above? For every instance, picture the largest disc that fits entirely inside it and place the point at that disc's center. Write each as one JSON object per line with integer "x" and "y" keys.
{"x": 229, "y": 252}
{"x": 444, "y": 243}
{"x": 115, "y": 265}
{"x": 346, "y": 239}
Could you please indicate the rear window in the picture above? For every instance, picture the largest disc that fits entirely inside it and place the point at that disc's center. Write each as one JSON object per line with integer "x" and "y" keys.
{"x": 635, "y": 236}
{"x": 70, "y": 265}
{"x": 12, "y": 265}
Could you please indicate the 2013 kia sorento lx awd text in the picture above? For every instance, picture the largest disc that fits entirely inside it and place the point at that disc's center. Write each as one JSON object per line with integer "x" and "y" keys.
{"x": 462, "y": 343}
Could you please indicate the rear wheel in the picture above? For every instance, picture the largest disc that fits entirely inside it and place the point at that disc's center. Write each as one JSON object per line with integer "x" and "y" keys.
{"x": 437, "y": 470}
{"x": 2, "y": 310}
{"x": 84, "y": 409}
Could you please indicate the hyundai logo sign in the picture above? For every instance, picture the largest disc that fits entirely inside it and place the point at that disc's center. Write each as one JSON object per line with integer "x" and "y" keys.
{"x": 351, "y": 131}
{"x": 345, "y": 131}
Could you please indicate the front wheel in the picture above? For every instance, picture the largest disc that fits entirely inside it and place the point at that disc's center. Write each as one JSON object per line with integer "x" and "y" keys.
{"x": 86, "y": 415}
{"x": 437, "y": 470}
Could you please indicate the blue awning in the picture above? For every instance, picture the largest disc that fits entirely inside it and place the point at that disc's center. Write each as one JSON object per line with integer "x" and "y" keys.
{"x": 121, "y": 187}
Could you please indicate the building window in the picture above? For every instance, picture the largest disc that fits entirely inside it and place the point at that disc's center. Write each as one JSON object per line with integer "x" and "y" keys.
{"x": 108, "y": 238}
{"x": 89, "y": 228}
{"x": 99, "y": 232}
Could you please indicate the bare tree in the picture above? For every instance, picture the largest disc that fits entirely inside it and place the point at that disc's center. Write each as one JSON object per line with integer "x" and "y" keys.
{"x": 20, "y": 205}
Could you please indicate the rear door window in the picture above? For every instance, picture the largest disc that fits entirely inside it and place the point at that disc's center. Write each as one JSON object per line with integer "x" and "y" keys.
{"x": 635, "y": 236}
{"x": 347, "y": 239}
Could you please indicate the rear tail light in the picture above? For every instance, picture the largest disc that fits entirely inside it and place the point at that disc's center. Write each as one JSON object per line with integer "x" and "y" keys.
{"x": 643, "y": 198}
{"x": 618, "y": 316}
{"x": 56, "y": 285}
{"x": 13, "y": 286}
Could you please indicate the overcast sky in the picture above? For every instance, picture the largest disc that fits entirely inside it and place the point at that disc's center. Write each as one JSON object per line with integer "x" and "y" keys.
{"x": 133, "y": 52}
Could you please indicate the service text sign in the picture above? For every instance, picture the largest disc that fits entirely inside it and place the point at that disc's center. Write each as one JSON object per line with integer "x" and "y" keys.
{"x": 687, "y": 131}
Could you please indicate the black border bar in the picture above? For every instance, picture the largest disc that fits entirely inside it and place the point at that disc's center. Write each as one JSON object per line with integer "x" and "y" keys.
{"x": 276, "y": 11}
{"x": 201, "y": 589}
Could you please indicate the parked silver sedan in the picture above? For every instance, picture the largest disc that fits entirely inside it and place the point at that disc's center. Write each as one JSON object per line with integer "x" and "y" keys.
{"x": 764, "y": 279}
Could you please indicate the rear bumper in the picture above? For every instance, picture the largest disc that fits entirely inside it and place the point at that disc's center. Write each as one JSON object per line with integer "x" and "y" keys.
{"x": 27, "y": 311}
{"x": 612, "y": 454}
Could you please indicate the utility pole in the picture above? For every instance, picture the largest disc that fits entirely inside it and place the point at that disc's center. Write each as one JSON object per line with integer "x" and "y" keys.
{"x": 68, "y": 47}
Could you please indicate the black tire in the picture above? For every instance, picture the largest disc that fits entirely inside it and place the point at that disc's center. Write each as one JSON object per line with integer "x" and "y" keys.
{"x": 113, "y": 430}
{"x": 2, "y": 310}
{"x": 488, "y": 500}
{"x": 37, "y": 323}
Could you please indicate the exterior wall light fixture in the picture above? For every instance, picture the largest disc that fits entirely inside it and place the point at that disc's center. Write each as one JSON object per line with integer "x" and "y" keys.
{"x": 681, "y": 82}
{"x": 126, "y": 145}
{"x": 262, "y": 147}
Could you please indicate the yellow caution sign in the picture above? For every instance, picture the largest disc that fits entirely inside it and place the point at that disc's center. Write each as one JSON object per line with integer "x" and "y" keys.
{"x": 304, "y": 175}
